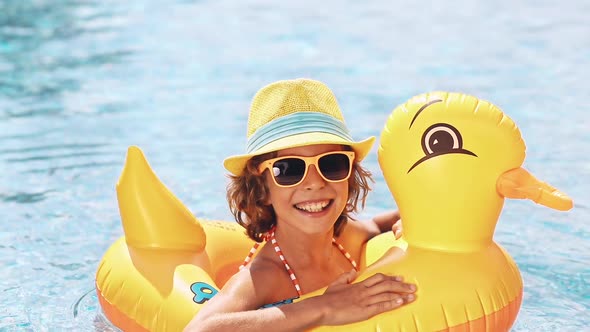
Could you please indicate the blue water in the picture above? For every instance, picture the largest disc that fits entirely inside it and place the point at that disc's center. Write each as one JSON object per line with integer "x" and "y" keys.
{"x": 81, "y": 80}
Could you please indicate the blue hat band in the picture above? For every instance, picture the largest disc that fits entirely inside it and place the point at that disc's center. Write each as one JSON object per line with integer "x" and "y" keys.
{"x": 294, "y": 124}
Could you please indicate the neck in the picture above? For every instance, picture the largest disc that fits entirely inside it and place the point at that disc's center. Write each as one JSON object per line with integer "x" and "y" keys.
{"x": 304, "y": 248}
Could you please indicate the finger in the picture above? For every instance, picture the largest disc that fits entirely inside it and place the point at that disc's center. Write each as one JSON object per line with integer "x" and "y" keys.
{"x": 374, "y": 279}
{"x": 345, "y": 278}
{"x": 381, "y": 307}
{"x": 408, "y": 298}
{"x": 379, "y": 278}
{"x": 390, "y": 286}
{"x": 351, "y": 276}
{"x": 395, "y": 299}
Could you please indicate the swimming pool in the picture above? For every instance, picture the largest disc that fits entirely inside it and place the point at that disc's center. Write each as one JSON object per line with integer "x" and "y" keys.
{"x": 82, "y": 80}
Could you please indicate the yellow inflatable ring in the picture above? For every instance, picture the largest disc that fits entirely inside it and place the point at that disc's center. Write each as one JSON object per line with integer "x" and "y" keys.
{"x": 449, "y": 160}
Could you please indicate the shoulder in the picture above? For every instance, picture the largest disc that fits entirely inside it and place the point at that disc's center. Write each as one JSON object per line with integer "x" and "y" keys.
{"x": 260, "y": 275}
{"x": 353, "y": 238}
{"x": 270, "y": 277}
{"x": 355, "y": 233}
{"x": 264, "y": 269}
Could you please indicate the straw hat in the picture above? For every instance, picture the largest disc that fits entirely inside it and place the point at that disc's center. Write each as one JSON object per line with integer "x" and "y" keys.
{"x": 293, "y": 113}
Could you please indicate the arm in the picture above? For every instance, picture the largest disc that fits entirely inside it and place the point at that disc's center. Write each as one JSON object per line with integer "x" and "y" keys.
{"x": 385, "y": 222}
{"x": 227, "y": 311}
{"x": 291, "y": 317}
{"x": 235, "y": 307}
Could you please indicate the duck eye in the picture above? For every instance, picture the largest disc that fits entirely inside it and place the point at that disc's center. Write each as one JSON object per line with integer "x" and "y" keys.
{"x": 441, "y": 138}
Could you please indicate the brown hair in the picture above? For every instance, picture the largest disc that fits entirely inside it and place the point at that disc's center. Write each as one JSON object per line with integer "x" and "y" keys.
{"x": 247, "y": 195}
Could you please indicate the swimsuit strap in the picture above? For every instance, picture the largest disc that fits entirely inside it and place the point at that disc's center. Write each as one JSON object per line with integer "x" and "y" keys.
{"x": 250, "y": 255}
{"x": 273, "y": 240}
{"x": 346, "y": 254}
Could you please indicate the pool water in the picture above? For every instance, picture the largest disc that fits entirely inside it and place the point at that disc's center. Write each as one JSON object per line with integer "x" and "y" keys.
{"x": 80, "y": 81}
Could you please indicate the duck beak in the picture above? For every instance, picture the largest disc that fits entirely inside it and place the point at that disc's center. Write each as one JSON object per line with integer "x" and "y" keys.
{"x": 519, "y": 183}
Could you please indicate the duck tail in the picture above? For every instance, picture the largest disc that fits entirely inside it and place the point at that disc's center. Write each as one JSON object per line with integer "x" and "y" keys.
{"x": 152, "y": 216}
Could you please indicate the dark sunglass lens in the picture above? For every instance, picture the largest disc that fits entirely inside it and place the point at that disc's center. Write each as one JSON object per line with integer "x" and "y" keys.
{"x": 335, "y": 167}
{"x": 288, "y": 171}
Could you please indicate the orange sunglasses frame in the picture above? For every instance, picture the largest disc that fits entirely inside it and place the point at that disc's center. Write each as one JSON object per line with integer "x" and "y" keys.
{"x": 313, "y": 160}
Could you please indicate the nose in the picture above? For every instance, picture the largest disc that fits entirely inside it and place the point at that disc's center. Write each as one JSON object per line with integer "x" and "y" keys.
{"x": 313, "y": 179}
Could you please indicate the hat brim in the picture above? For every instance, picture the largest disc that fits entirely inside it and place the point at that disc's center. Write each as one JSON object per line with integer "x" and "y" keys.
{"x": 236, "y": 164}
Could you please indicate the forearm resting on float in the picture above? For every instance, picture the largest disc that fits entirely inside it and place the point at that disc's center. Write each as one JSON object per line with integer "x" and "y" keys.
{"x": 297, "y": 316}
{"x": 342, "y": 303}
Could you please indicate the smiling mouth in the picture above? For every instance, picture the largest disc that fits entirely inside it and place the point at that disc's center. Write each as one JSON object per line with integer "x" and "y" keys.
{"x": 313, "y": 206}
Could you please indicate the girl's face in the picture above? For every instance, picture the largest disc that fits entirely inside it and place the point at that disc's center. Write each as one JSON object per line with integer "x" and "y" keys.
{"x": 314, "y": 205}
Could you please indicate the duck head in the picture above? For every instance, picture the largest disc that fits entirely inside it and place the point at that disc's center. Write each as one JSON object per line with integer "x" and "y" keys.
{"x": 449, "y": 160}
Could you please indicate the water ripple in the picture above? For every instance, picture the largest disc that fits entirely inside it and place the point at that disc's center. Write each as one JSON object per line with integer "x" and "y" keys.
{"x": 47, "y": 50}
{"x": 47, "y": 147}
{"x": 92, "y": 165}
{"x": 58, "y": 156}
{"x": 25, "y": 198}
{"x": 67, "y": 267}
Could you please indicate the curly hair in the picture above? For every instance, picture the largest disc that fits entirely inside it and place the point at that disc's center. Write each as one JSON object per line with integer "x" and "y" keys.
{"x": 248, "y": 193}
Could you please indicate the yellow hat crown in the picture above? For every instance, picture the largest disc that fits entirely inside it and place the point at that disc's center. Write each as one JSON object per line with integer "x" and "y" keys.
{"x": 293, "y": 113}
{"x": 288, "y": 97}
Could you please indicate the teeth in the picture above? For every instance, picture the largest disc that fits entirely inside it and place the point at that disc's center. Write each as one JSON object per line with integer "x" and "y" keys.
{"x": 313, "y": 207}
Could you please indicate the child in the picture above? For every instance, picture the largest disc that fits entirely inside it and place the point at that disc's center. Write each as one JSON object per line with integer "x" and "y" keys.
{"x": 295, "y": 189}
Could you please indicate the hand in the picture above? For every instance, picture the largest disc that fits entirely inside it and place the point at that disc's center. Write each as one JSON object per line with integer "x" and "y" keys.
{"x": 348, "y": 302}
{"x": 397, "y": 229}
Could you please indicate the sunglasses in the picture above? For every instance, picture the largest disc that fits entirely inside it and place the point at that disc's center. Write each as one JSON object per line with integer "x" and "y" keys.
{"x": 289, "y": 171}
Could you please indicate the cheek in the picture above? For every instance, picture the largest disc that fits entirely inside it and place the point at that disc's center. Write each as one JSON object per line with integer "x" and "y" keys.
{"x": 342, "y": 189}
{"x": 270, "y": 189}
{"x": 276, "y": 196}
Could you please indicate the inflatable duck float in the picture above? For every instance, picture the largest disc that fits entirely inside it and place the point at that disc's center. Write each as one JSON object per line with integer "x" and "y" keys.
{"x": 449, "y": 160}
